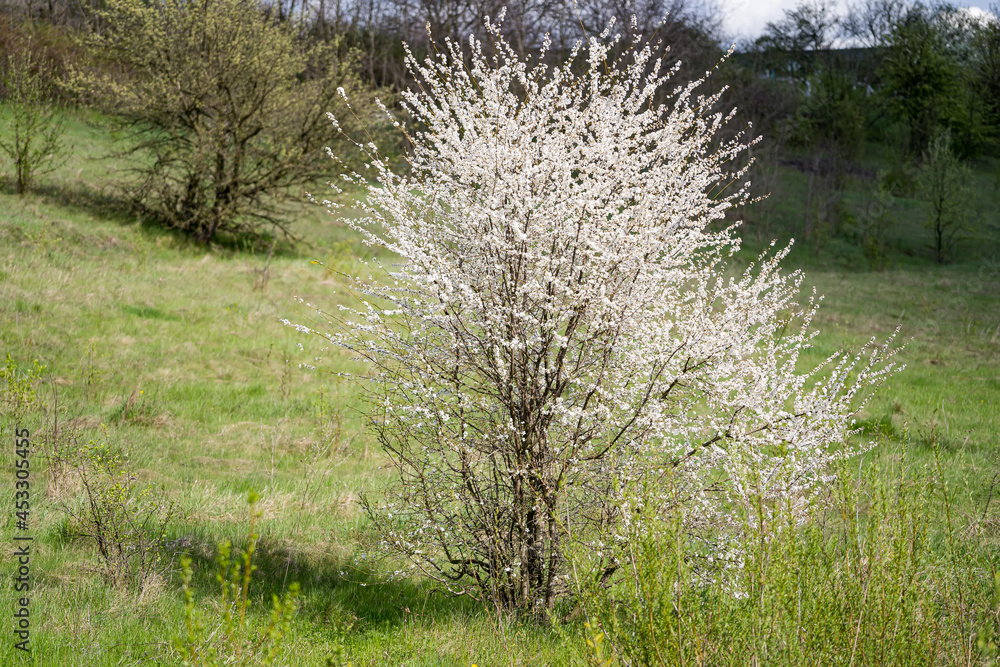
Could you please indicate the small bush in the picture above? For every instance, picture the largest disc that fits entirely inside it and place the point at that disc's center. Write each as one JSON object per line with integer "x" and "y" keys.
{"x": 56, "y": 45}
{"x": 32, "y": 140}
{"x": 875, "y": 220}
{"x": 17, "y": 389}
{"x": 126, "y": 523}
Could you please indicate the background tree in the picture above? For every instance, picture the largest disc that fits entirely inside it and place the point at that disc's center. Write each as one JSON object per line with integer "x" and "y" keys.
{"x": 986, "y": 64}
{"x": 560, "y": 328}
{"x": 828, "y": 117}
{"x": 944, "y": 182}
{"x": 227, "y": 109}
{"x": 803, "y": 37}
{"x": 870, "y": 22}
{"x": 922, "y": 81}
{"x": 32, "y": 141}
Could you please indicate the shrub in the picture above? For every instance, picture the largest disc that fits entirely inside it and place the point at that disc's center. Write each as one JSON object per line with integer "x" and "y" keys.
{"x": 57, "y": 46}
{"x": 17, "y": 389}
{"x": 561, "y": 325}
{"x": 32, "y": 138}
{"x": 226, "y": 105}
{"x": 127, "y": 523}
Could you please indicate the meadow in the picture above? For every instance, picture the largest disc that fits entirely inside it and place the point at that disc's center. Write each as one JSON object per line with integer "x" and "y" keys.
{"x": 173, "y": 355}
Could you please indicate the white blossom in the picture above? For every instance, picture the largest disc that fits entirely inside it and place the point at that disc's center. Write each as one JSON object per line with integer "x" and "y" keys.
{"x": 565, "y": 323}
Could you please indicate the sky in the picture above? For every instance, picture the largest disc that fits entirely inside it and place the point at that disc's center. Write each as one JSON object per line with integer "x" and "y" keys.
{"x": 747, "y": 18}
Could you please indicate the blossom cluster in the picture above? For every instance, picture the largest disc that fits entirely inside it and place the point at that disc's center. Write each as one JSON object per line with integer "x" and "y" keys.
{"x": 566, "y": 322}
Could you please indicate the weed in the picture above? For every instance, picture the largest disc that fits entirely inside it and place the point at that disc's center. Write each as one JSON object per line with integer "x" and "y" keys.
{"x": 58, "y": 447}
{"x": 263, "y": 275}
{"x": 17, "y": 393}
{"x": 231, "y": 639}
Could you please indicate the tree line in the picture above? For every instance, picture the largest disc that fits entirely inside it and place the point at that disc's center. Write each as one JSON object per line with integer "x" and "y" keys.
{"x": 822, "y": 86}
{"x": 911, "y": 87}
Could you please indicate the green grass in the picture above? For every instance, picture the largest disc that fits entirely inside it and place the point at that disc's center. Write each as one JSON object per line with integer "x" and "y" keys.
{"x": 179, "y": 352}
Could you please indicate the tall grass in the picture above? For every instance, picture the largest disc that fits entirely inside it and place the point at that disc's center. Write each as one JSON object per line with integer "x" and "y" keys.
{"x": 878, "y": 575}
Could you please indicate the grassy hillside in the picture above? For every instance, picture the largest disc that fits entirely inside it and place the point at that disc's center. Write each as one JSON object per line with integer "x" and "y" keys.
{"x": 174, "y": 355}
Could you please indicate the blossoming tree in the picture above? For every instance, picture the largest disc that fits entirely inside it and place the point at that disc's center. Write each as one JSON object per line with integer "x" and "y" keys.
{"x": 564, "y": 323}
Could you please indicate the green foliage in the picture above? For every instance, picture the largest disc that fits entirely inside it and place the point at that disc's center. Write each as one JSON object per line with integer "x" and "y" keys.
{"x": 986, "y": 67}
{"x": 127, "y": 523}
{"x": 17, "y": 389}
{"x": 55, "y": 45}
{"x": 32, "y": 141}
{"x": 923, "y": 76}
{"x": 943, "y": 180}
{"x": 866, "y": 582}
{"x": 227, "y": 108}
{"x": 597, "y": 651}
{"x": 223, "y": 634}
{"x": 831, "y": 119}
{"x": 987, "y": 45}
